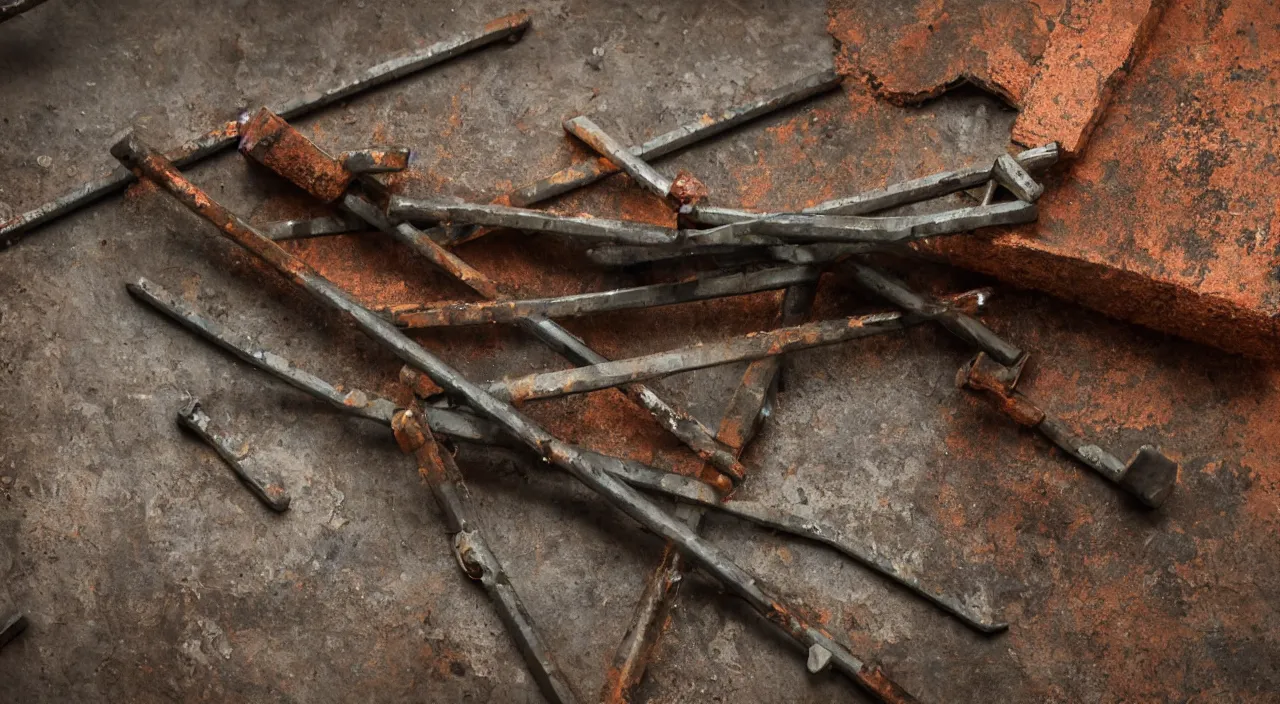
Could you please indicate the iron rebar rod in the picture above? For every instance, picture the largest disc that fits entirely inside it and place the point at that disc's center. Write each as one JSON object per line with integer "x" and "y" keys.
{"x": 152, "y": 165}
{"x": 706, "y": 126}
{"x": 225, "y": 136}
{"x": 699, "y": 289}
{"x": 750, "y": 347}
{"x": 590, "y": 229}
{"x": 957, "y": 323}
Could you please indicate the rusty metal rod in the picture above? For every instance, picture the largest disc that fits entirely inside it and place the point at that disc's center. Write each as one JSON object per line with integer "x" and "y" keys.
{"x": 590, "y": 133}
{"x": 263, "y": 483}
{"x": 754, "y": 346}
{"x": 956, "y": 322}
{"x": 413, "y": 316}
{"x": 590, "y": 229}
{"x": 225, "y": 136}
{"x": 898, "y": 194}
{"x": 800, "y": 227}
{"x": 1149, "y": 475}
{"x": 710, "y": 559}
{"x": 474, "y": 555}
{"x": 674, "y": 419}
{"x": 706, "y": 126}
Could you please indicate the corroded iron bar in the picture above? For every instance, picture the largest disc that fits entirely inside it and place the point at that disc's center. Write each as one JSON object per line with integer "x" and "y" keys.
{"x": 709, "y": 125}
{"x": 957, "y": 323}
{"x": 898, "y": 194}
{"x": 586, "y": 469}
{"x": 587, "y": 303}
{"x": 754, "y": 346}
{"x": 313, "y": 227}
{"x": 475, "y": 557}
{"x": 1149, "y": 475}
{"x": 604, "y": 144}
{"x": 225, "y": 136}
{"x": 376, "y": 160}
{"x": 589, "y": 229}
{"x": 263, "y": 483}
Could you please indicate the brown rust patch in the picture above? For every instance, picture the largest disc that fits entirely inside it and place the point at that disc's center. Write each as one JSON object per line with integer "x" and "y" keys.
{"x": 274, "y": 143}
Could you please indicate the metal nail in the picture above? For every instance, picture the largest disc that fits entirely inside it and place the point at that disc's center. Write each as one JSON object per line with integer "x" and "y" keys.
{"x": 263, "y": 483}
{"x": 225, "y": 136}
{"x": 414, "y": 317}
{"x": 591, "y": 229}
{"x": 314, "y": 227}
{"x": 1149, "y": 475}
{"x": 754, "y": 346}
{"x": 957, "y": 323}
{"x": 590, "y": 133}
{"x": 150, "y": 164}
{"x": 706, "y": 126}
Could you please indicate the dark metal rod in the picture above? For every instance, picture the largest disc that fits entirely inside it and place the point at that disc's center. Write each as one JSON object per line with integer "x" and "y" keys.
{"x": 898, "y": 194}
{"x": 590, "y": 133}
{"x": 709, "y": 125}
{"x": 735, "y": 255}
{"x": 587, "y": 303}
{"x": 957, "y": 323}
{"x": 226, "y": 135}
{"x": 801, "y": 227}
{"x": 314, "y": 227}
{"x": 706, "y": 556}
{"x": 12, "y": 627}
{"x": 591, "y": 229}
{"x": 474, "y": 556}
{"x": 754, "y": 346}
{"x": 264, "y": 485}
{"x": 674, "y": 419}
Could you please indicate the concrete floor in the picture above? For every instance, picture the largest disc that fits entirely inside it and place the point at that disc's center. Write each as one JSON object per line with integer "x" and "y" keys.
{"x": 150, "y": 575}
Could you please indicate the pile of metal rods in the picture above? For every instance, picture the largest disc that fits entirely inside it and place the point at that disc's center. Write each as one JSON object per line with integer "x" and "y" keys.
{"x": 768, "y": 251}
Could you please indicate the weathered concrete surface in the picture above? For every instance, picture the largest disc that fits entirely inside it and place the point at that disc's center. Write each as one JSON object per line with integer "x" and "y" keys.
{"x": 149, "y": 575}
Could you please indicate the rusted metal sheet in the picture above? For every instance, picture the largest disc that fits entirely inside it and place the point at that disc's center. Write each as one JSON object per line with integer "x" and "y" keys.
{"x": 1149, "y": 475}
{"x": 699, "y": 289}
{"x": 753, "y": 346}
{"x": 264, "y": 483}
{"x": 224, "y": 136}
{"x": 150, "y": 164}
{"x": 707, "y": 126}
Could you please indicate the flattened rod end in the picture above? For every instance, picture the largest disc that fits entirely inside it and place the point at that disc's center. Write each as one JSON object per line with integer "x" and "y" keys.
{"x": 1150, "y": 476}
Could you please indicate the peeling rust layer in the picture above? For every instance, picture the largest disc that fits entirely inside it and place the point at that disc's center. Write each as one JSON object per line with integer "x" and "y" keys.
{"x": 272, "y": 142}
{"x": 1090, "y": 51}
{"x": 224, "y": 136}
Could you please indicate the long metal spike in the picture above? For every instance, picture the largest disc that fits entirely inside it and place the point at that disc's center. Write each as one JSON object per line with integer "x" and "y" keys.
{"x": 590, "y": 229}
{"x": 414, "y": 317}
{"x": 225, "y": 136}
{"x": 753, "y": 346}
{"x": 706, "y": 556}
